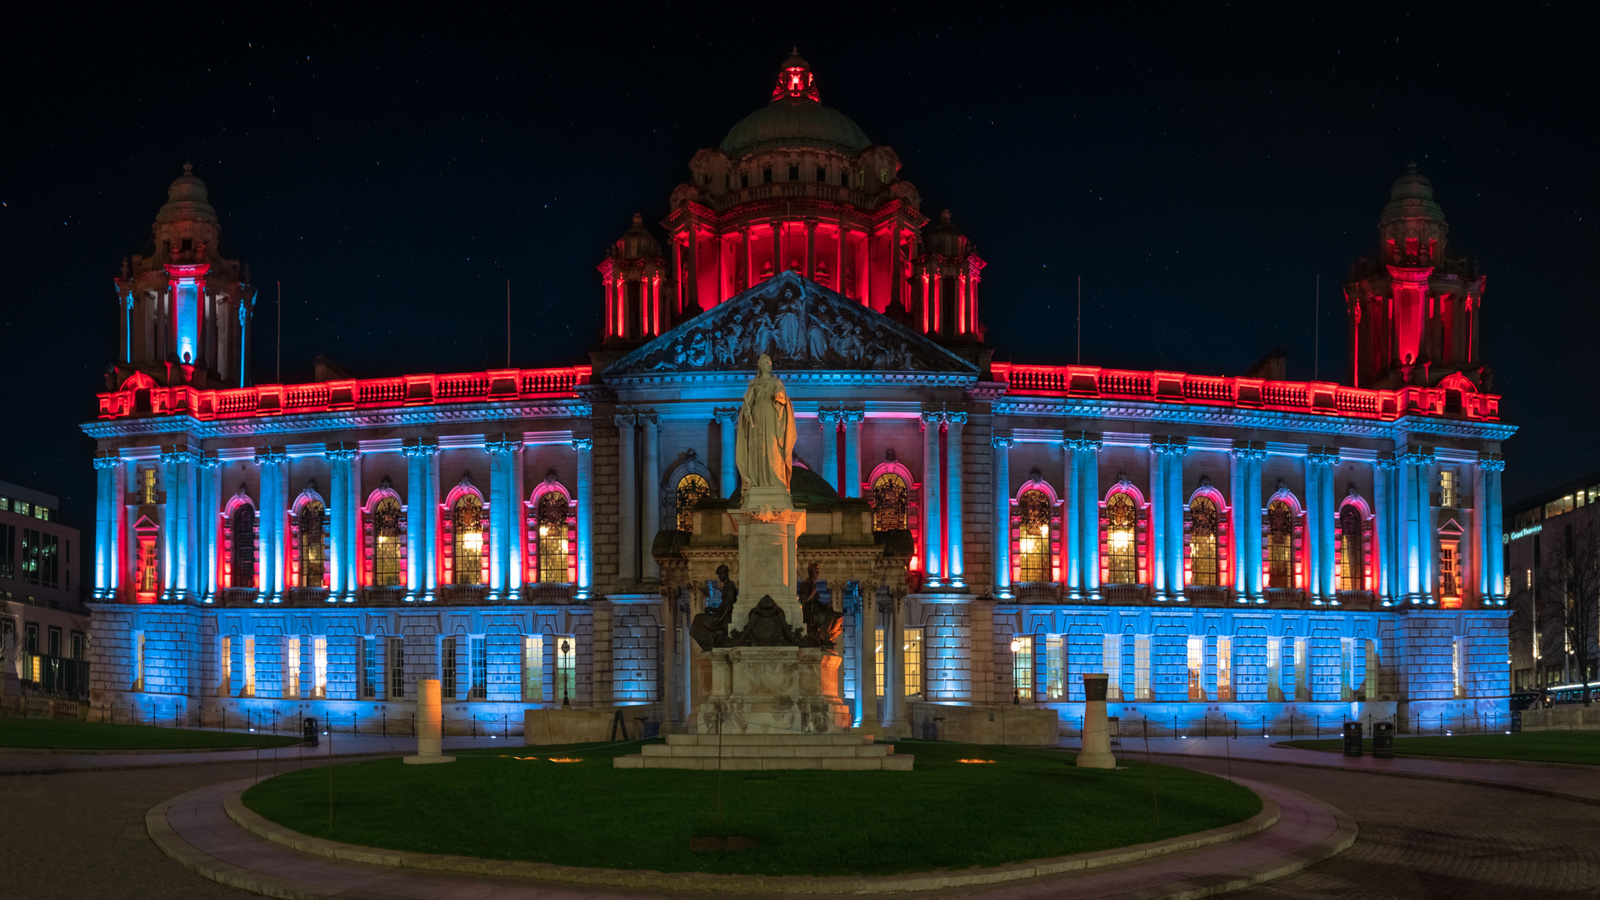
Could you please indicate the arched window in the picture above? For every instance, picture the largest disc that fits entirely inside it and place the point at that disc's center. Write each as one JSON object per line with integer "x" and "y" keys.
{"x": 551, "y": 518}
{"x": 1280, "y": 544}
{"x": 889, "y": 499}
{"x": 387, "y": 539}
{"x": 1203, "y": 556}
{"x": 1033, "y": 536}
{"x": 467, "y": 533}
{"x": 243, "y": 570}
{"x": 691, "y": 490}
{"x": 1350, "y": 556}
{"x": 312, "y": 531}
{"x": 1121, "y": 542}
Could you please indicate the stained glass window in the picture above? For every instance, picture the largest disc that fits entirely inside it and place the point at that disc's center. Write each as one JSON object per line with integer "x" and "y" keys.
{"x": 1350, "y": 561}
{"x": 311, "y": 549}
{"x": 1121, "y": 516}
{"x": 889, "y": 498}
{"x": 1203, "y": 542}
{"x": 244, "y": 547}
{"x": 387, "y": 536}
{"x": 1033, "y": 536}
{"x": 551, "y": 519}
{"x": 691, "y": 490}
{"x": 1280, "y": 545}
{"x": 468, "y": 536}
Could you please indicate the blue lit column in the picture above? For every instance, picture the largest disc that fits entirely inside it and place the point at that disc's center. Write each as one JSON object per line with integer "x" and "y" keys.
{"x": 1493, "y": 555}
{"x": 171, "y": 526}
{"x": 1177, "y": 449}
{"x": 932, "y": 491}
{"x": 340, "y": 526}
{"x": 866, "y": 659}
{"x": 1383, "y": 478}
{"x": 1416, "y": 506}
{"x": 1238, "y": 546}
{"x": 828, "y": 421}
{"x": 519, "y": 523}
{"x": 1330, "y": 515}
{"x": 1085, "y": 490}
{"x": 852, "y": 451}
{"x": 585, "y": 523}
{"x": 430, "y": 523}
{"x": 1071, "y": 539}
{"x": 1252, "y": 456}
{"x": 955, "y": 559}
{"x": 651, "y": 485}
{"x": 1319, "y": 522}
{"x": 1002, "y": 515}
{"x": 502, "y": 518}
{"x": 416, "y": 455}
{"x": 270, "y": 461}
{"x": 209, "y": 513}
{"x": 727, "y": 430}
{"x": 627, "y": 500}
{"x": 105, "y": 509}
{"x": 1159, "y": 514}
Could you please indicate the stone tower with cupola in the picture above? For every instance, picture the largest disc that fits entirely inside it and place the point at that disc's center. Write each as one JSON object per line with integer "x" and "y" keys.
{"x": 185, "y": 309}
{"x": 638, "y": 287}
{"x": 1414, "y": 308}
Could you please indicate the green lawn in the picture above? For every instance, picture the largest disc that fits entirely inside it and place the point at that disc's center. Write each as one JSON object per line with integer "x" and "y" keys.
{"x": 1532, "y": 746}
{"x": 1027, "y": 805}
{"x": 54, "y": 735}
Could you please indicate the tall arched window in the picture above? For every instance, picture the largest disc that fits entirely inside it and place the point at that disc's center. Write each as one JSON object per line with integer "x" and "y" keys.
{"x": 1280, "y": 545}
{"x": 467, "y": 519}
{"x": 1121, "y": 542}
{"x": 1351, "y": 568}
{"x": 243, "y": 574}
{"x": 1033, "y": 536}
{"x": 387, "y": 538}
{"x": 889, "y": 498}
{"x": 1203, "y": 557}
{"x": 691, "y": 490}
{"x": 310, "y": 520}
{"x": 551, "y": 516}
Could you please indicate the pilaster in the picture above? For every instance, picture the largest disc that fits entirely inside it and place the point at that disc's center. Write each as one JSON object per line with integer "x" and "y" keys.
{"x": 828, "y": 421}
{"x": 932, "y": 496}
{"x": 1002, "y": 515}
{"x": 627, "y": 500}
{"x": 852, "y": 450}
{"x": 955, "y": 528}
{"x": 727, "y": 431}
{"x": 651, "y": 485}
{"x": 584, "y": 447}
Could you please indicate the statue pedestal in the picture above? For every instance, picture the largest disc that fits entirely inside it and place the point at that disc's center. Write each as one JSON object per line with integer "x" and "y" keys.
{"x": 768, "y": 526}
{"x": 772, "y": 690}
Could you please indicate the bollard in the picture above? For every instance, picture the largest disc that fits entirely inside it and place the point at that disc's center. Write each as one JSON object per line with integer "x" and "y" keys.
{"x": 1096, "y": 753}
{"x": 429, "y": 719}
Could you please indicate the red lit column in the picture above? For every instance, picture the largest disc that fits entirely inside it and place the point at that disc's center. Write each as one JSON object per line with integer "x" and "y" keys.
{"x": 811, "y": 249}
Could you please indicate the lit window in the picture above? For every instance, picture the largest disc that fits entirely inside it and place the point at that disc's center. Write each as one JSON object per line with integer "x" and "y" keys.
{"x": 551, "y": 519}
{"x": 1203, "y": 519}
{"x": 447, "y": 668}
{"x": 1274, "y": 668}
{"x": 319, "y": 668}
{"x": 1299, "y": 679}
{"x": 224, "y": 667}
{"x": 480, "y": 669}
{"x": 533, "y": 669}
{"x": 369, "y": 668}
{"x": 1447, "y": 488}
{"x": 911, "y": 660}
{"x": 691, "y": 490}
{"x": 1197, "y": 668}
{"x": 468, "y": 537}
{"x": 889, "y": 499}
{"x": 291, "y": 668}
{"x": 147, "y": 488}
{"x": 1224, "y": 668}
{"x": 243, "y": 571}
{"x": 249, "y": 667}
{"x": 397, "y": 668}
{"x": 1280, "y": 545}
{"x": 878, "y": 659}
{"x": 1033, "y": 537}
{"x": 1457, "y": 670}
{"x": 312, "y": 532}
{"x": 1120, "y": 540}
{"x": 1022, "y": 666}
{"x": 1055, "y": 674}
{"x": 388, "y": 537}
{"x": 1141, "y": 667}
{"x": 1351, "y": 570}
{"x": 1111, "y": 664}
{"x": 138, "y": 660}
{"x": 1449, "y": 584}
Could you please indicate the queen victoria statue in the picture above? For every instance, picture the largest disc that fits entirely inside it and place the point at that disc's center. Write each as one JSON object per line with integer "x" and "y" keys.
{"x": 765, "y": 444}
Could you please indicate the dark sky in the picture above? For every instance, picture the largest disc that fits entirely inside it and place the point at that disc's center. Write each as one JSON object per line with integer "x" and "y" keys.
{"x": 1200, "y": 166}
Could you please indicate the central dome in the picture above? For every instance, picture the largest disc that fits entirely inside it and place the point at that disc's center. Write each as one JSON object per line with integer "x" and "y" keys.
{"x": 795, "y": 118}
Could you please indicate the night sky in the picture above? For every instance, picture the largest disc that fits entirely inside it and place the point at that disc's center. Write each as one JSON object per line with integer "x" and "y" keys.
{"x": 1199, "y": 166}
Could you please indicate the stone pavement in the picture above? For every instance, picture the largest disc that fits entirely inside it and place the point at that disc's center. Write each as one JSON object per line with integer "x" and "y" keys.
{"x": 196, "y": 829}
{"x": 23, "y": 763}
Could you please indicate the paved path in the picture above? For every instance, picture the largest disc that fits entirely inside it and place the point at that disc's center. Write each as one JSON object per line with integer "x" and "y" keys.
{"x": 196, "y": 830}
{"x": 346, "y": 745}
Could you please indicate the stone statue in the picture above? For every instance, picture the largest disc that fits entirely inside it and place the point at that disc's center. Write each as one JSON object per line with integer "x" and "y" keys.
{"x": 767, "y": 626}
{"x": 710, "y": 628}
{"x": 823, "y": 625}
{"x": 766, "y": 435}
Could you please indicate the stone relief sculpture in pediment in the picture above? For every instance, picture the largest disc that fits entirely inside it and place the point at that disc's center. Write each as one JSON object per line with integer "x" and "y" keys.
{"x": 799, "y": 325}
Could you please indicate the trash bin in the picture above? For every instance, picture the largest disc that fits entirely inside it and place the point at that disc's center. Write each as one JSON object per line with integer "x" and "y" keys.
{"x": 1383, "y": 740}
{"x": 1516, "y": 721}
{"x": 1352, "y": 739}
{"x": 308, "y": 729}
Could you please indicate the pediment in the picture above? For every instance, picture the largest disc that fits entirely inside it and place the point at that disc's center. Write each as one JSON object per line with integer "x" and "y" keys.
{"x": 801, "y": 325}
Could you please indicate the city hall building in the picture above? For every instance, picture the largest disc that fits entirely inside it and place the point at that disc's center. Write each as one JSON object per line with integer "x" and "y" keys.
{"x": 1241, "y": 546}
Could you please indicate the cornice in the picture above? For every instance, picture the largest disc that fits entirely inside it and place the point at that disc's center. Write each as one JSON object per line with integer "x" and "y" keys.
{"x": 336, "y": 420}
{"x": 1192, "y": 414}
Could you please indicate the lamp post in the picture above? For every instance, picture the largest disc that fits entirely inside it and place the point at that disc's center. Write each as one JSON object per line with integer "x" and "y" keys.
{"x": 566, "y": 693}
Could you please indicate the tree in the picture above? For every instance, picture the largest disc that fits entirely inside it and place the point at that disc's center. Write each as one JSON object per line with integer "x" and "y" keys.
{"x": 1570, "y": 594}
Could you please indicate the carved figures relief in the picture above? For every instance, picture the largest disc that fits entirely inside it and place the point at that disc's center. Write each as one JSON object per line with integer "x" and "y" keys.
{"x": 797, "y": 323}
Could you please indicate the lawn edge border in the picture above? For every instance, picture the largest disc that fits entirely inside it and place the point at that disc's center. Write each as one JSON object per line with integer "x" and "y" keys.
{"x": 704, "y": 882}
{"x": 1585, "y": 767}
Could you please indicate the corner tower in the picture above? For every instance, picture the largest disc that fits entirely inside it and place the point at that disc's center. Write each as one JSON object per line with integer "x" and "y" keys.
{"x": 1414, "y": 309}
{"x": 185, "y": 309}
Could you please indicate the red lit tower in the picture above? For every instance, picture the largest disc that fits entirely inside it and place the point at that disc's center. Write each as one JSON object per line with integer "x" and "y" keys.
{"x": 638, "y": 287}
{"x": 1414, "y": 309}
{"x": 185, "y": 310}
{"x": 945, "y": 284}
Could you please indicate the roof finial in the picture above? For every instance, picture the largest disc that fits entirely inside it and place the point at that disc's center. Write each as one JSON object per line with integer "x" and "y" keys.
{"x": 188, "y": 168}
{"x": 1411, "y": 167}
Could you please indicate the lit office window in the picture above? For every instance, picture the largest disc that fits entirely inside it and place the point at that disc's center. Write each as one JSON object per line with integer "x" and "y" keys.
{"x": 1141, "y": 667}
{"x": 1120, "y": 540}
{"x": 1203, "y": 560}
{"x": 533, "y": 669}
{"x": 1111, "y": 663}
{"x": 1224, "y": 668}
{"x": 291, "y": 668}
{"x": 1022, "y": 665}
{"x": 319, "y": 668}
{"x": 1055, "y": 667}
{"x": 1197, "y": 668}
{"x": 1033, "y": 537}
{"x": 447, "y": 668}
{"x": 911, "y": 656}
{"x": 480, "y": 669}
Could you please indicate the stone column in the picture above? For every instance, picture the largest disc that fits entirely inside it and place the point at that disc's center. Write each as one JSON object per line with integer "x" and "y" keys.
{"x": 1002, "y": 515}
{"x": 866, "y": 658}
{"x": 1494, "y": 526}
{"x": 852, "y": 450}
{"x": 627, "y": 502}
{"x": 519, "y": 523}
{"x": 1249, "y": 536}
{"x": 1177, "y": 449}
{"x": 1160, "y": 516}
{"x": 1238, "y": 546}
{"x": 828, "y": 420}
{"x": 341, "y": 528}
{"x": 209, "y": 512}
{"x": 172, "y": 524}
{"x": 1072, "y": 525}
{"x": 955, "y": 557}
{"x": 1383, "y": 534}
{"x": 417, "y": 455}
{"x": 727, "y": 467}
{"x": 430, "y": 514}
{"x": 651, "y": 485}
{"x": 429, "y": 725}
{"x": 1330, "y": 515}
{"x": 894, "y": 667}
{"x": 503, "y": 451}
{"x": 932, "y": 494}
{"x": 585, "y": 515}
{"x": 105, "y": 510}
{"x": 1084, "y": 489}
{"x": 271, "y": 462}
{"x": 811, "y": 249}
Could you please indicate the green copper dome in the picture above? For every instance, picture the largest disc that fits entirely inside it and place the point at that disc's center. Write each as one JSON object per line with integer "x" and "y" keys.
{"x": 795, "y": 118}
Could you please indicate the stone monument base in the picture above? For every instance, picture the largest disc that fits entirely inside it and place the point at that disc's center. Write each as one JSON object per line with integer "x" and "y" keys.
{"x": 832, "y": 752}
{"x": 772, "y": 690}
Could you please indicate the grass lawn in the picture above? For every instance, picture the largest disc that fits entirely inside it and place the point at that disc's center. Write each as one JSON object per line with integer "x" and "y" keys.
{"x": 1026, "y": 805}
{"x": 1532, "y": 746}
{"x": 49, "y": 734}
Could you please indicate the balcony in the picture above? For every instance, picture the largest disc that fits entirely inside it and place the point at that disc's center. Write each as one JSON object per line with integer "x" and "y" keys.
{"x": 392, "y": 595}
{"x": 1357, "y": 599}
{"x": 307, "y": 596}
{"x": 1284, "y": 598}
{"x": 464, "y": 594}
{"x": 1037, "y": 592}
{"x": 1208, "y": 595}
{"x": 553, "y": 594}
{"x": 1125, "y": 594}
{"x": 237, "y": 596}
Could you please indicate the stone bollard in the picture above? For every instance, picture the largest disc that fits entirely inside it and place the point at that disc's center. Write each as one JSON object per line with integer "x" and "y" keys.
{"x": 430, "y": 726}
{"x": 1096, "y": 753}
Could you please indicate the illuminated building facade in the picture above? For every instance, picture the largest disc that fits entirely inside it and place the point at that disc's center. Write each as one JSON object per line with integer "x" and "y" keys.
{"x": 1221, "y": 545}
{"x": 1552, "y": 550}
{"x": 44, "y": 629}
